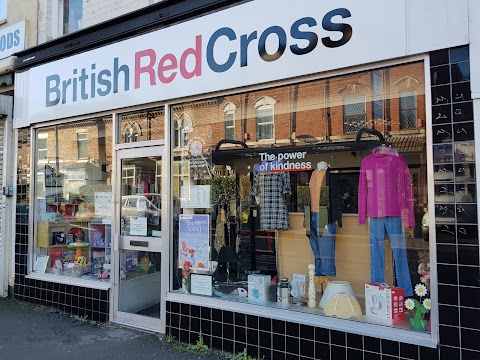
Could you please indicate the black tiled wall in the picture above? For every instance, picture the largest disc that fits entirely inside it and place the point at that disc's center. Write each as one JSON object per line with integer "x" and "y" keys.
{"x": 71, "y": 299}
{"x": 457, "y": 254}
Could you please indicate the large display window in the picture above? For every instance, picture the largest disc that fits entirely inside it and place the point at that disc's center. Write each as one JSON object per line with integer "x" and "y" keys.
{"x": 310, "y": 197}
{"x": 73, "y": 199}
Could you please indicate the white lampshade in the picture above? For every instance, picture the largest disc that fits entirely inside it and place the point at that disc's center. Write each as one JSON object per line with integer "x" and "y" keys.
{"x": 335, "y": 287}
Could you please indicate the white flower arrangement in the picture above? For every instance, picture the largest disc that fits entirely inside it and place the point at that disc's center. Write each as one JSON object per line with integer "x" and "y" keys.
{"x": 420, "y": 308}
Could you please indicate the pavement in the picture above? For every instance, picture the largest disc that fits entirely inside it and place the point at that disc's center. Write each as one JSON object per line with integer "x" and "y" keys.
{"x": 34, "y": 332}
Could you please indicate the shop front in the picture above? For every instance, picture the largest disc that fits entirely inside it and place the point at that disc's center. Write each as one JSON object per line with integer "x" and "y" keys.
{"x": 299, "y": 185}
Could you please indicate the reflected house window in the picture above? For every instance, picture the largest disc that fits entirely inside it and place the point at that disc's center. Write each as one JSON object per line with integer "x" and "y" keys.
{"x": 408, "y": 109}
{"x": 354, "y": 113}
{"x": 229, "y": 116}
{"x": 131, "y": 132}
{"x": 72, "y": 15}
{"x": 265, "y": 118}
{"x": 181, "y": 128}
{"x": 42, "y": 146}
{"x": 82, "y": 145}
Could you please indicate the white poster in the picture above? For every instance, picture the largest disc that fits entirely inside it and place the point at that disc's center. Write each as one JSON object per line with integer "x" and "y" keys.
{"x": 138, "y": 226}
{"x": 201, "y": 284}
{"x": 195, "y": 197}
{"x": 41, "y": 264}
{"x": 103, "y": 204}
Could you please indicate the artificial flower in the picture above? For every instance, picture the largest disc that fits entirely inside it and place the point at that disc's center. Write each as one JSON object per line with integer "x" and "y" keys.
{"x": 420, "y": 290}
{"x": 427, "y": 304}
{"x": 409, "y": 304}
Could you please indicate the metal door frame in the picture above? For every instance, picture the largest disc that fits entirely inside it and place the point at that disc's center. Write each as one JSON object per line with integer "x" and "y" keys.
{"x": 133, "y": 320}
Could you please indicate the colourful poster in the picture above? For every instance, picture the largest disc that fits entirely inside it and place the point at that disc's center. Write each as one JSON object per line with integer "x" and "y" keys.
{"x": 194, "y": 241}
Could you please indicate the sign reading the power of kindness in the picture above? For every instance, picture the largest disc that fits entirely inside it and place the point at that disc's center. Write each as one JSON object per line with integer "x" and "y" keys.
{"x": 283, "y": 162}
{"x": 12, "y": 39}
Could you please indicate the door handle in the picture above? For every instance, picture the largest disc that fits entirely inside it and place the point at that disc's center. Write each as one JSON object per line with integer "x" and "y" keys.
{"x": 139, "y": 243}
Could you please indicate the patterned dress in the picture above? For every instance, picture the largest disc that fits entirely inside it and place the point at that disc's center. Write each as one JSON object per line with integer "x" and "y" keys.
{"x": 271, "y": 188}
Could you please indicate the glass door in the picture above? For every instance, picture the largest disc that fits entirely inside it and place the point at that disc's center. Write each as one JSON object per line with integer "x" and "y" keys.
{"x": 139, "y": 234}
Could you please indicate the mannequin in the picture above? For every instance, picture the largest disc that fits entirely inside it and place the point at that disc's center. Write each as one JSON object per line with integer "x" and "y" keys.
{"x": 322, "y": 165}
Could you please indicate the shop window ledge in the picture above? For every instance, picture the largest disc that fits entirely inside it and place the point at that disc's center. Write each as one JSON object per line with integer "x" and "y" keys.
{"x": 93, "y": 284}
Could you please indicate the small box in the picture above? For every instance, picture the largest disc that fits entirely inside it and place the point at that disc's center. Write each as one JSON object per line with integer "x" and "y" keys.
{"x": 258, "y": 288}
{"x": 384, "y": 302}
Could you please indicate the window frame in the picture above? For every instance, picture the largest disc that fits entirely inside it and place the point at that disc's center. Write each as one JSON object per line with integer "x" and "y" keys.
{"x": 82, "y": 145}
{"x": 401, "y": 110}
{"x": 350, "y": 97}
{"x": 62, "y": 17}
{"x": 265, "y": 103}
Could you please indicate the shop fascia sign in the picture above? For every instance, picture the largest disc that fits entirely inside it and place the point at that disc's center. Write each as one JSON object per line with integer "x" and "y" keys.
{"x": 12, "y": 39}
{"x": 257, "y": 42}
{"x": 159, "y": 68}
{"x": 283, "y": 162}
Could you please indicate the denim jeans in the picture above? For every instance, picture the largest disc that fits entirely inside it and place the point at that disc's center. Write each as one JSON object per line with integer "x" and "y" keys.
{"x": 393, "y": 226}
{"x": 323, "y": 247}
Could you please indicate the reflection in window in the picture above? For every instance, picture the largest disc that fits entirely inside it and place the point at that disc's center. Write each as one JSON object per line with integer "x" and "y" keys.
{"x": 229, "y": 116}
{"x": 264, "y": 118}
{"x": 182, "y": 127}
{"x": 3, "y": 9}
{"x": 408, "y": 109}
{"x": 72, "y": 15}
{"x": 377, "y": 94}
{"x": 82, "y": 145}
{"x": 130, "y": 133}
{"x": 354, "y": 113}
{"x": 42, "y": 145}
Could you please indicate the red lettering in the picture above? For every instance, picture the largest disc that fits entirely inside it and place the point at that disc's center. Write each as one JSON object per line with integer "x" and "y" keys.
{"x": 139, "y": 69}
{"x": 197, "y": 54}
{"x": 162, "y": 67}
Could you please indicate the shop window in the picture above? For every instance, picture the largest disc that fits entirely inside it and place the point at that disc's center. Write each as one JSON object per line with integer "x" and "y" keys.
{"x": 72, "y": 11}
{"x": 82, "y": 145}
{"x": 3, "y": 10}
{"x": 229, "y": 111}
{"x": 141, "y": 126}
{"x": 254, "y": 221}
{"x": 182, "y": 127}
{"x": 408, "y": 109}
{"x": 265, "y": 118}
{"x": 354, "y": 113}
{"x": 72, "y": 233}
{"x": 42, "y": 146}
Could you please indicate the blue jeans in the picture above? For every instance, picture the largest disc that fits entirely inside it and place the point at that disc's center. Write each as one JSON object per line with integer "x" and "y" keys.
{"x": 393, "y": 226}
{"x": 323, "y": 247}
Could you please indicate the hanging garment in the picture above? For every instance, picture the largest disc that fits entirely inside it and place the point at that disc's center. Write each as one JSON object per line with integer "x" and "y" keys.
{"x": 271, "y": 189}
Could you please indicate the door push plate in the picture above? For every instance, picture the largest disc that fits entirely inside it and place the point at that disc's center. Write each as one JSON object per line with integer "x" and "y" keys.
{"x": 139, "y": 243}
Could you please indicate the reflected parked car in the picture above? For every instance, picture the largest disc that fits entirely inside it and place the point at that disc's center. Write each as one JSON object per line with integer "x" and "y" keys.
{"x": 142, "y": 205}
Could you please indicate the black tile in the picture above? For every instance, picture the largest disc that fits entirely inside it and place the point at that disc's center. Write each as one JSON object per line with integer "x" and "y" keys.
{"x": 265, "y": 353}
{"x": 252, "y": 351}
{"x": 371, "y": 344}
{"x": 322, "y": 335}
{"x": 240, "y": 334}
{"x": 228, "y": 331}
{"x": 175, "y": 307}
{"x": 265, "y": 339}
{"x": 185, "y": 322}
{"x": 252, "y": 321}
{"x": 278, "y": 326}
{"x": 195, "y": 324}
{"x": 449, "y": 335}
{"x": 355, "y": 341}
{"x": 279, "y": 342}
{"x": 278, "y": 355}
{"x": 463, "y": 132}
{"x": 390, "y": 347}
{"x": 292, "y": 345}
{"x": 292, "y": 356}
{"x": 307, "y": 348}
{"x": 252, "y": 336}
{"x": 293, "y": 329}
{"x": 446, "y": 254}
{"x": 439, "y": 57}
{"x": 469, "y": 275}
{"x": 442, "y": 133}
{"x": 448, "y": 294}
{"x": 467, "y": 234}
{"x": 470, "y": 318}
{"x": 265, "y": 324}
{"x": 460, "y": 71}
{"x": 217, "y": 315}
{"x": 194, "y": 337}
{"x": 217, "y": 329}
{"x": 338, "y": 337}
{"x": 175, "y": 333}
{"x": 428, "y": 353}
{"x": 195, "y": 311}
{"x": 338, "y": 352}
{"x": 448, "y": 315}
{"x": 353, "y": 354}
{"x": 459, "y": 54}
{"x": 206, "y": 313}
{"x": 216, "y": 343}
{"x": 307, "y": 332}
{"x": 468, "y": 255}
{"x": 447, "y": 274}
{"x": 206, "y": 327}
{"x": 239, "y": 347}
{"x": 470, "y": 339}
{"x": 461, "y": 92}
{"x": 240, "y": 319}
{"x": 228, "y": 317}
{"x": 184, "y": 336}
{"x": 409, "y": 351}
{"x": 470, "y": 355}
{"x": 462, "y": 111}
{"x": 449, "y": 353}
{"x": 227, "y": 345}
{"x": 469, "y": 297}
{"x": 389, "y": 357}
{"x": 371, "y": 356}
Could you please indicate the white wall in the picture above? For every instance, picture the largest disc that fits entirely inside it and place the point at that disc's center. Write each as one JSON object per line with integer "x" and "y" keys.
{"x": 94, "y": 12}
